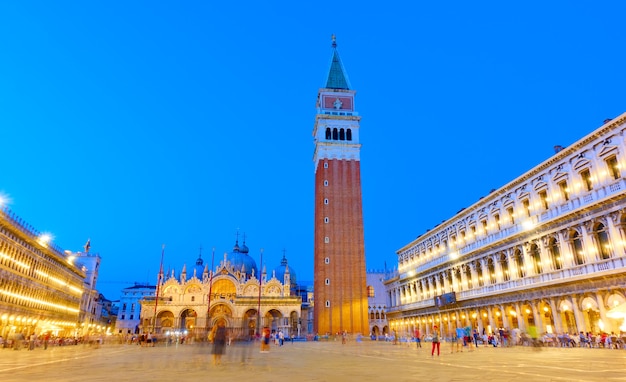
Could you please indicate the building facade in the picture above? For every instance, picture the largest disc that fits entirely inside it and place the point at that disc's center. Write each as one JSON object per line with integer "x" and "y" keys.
{"x": 129, "y": 310}
{"x": 41, "y": 286}
{"x": 546, "y": 250}
{"x": 339, "y": 249}
{"x": 191, "y": 302}
{"x": 377, "y": 303}
{"x": 91, "y": 319}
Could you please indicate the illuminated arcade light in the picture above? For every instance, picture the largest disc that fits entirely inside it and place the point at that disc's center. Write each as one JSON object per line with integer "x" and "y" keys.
{"x": 37, "y": 301}
{"x": 44, "y": 239}
{"x": 528, "y": 225}
{"x": 5, "y": 200}
{"x": 20, "y": 263}
{"x": 59, "y": 281}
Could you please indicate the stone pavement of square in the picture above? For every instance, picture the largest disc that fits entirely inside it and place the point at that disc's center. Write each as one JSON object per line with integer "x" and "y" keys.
{"x": 310, "y": 361}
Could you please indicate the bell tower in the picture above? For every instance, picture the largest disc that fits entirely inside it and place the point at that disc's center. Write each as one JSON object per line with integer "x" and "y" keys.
{"x": 339, "y": 250}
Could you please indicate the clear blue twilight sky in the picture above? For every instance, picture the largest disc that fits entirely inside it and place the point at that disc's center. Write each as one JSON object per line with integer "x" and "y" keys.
{"x": 142, "y": 123}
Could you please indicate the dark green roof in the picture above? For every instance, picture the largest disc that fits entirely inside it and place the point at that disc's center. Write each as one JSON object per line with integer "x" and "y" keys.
{"x": 337, "y": 78}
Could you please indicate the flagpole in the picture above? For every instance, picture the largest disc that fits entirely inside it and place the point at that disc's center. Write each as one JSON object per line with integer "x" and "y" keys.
{"x": 158, "y": 287}
{"x": 258, "y": 325}
{"x": 208, "y": 310}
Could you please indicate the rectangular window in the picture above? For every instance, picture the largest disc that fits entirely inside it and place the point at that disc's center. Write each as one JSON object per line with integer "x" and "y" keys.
{"x": 611, "y": 163}
{"x": 497, "y": 219}
{"x": 526, "y": 205}
{"x": 543, "y": 195}
{"x": 511, "y": 215}
{"x": 586, "y": 176}
{"x": 564, "y": 190}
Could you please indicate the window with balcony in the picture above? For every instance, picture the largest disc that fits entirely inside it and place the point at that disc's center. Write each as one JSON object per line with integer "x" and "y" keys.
{"x": 535, "y": 258}
{"x": 511, "y": 214}
{"x": 564, "y": 190}
{"x": 491, "y": 269}
{"x": 577, "y": 248}
{"x": 526, "y": 206}
{"x": 611, "y": 163}
{"x": 459, "y": 279}
{"x": 602, "y": 241}
{"x": 585, "y": 175}
{"x": 543, "y": 196}
{"x": 504, "y": 264}
{"x": 479, "y": 274}
{"x": 468, "y": 276}
{"x": 518, "y": 258}
{"x": 555, "y": 253}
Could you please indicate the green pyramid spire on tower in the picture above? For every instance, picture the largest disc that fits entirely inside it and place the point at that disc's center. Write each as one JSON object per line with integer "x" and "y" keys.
{"x": 337, "y": 78}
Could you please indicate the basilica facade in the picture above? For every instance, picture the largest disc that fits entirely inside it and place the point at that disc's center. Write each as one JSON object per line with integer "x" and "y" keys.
{"x": 546, "y": 250}
{"x": 234, "y": 292}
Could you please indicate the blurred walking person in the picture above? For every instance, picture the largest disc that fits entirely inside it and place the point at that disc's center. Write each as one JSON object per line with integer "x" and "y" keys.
{"x": 219, "y": 342}
{"x": 436, "y": 343}
{"x": 418, "y": 340}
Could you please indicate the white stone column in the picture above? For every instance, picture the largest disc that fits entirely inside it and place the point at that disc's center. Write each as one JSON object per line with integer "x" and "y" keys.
{"x": 578, "y": 315}
{"x": 556, "y": 317}
{"x": 590, "y": 252}
{"x": 615, "y": 236}
{"x": 537, "y": 317}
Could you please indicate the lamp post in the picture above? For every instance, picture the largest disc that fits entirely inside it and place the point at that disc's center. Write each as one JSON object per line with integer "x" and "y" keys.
{"x": 156, "y": 301}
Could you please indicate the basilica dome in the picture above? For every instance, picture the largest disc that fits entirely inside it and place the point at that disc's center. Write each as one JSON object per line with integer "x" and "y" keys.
{"x": 240, "y": 259}
{"x": 199, "y": 267}
{"x": 280, "y": 271}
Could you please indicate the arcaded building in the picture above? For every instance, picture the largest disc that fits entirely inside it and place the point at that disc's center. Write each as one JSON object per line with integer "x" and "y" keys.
{"x": 190, "y": 302}
{"x": 41, "y": 286}
{"x": 547, "y": 249}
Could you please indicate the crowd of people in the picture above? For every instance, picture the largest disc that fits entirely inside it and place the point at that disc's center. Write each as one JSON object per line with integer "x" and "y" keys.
{"x": 502, "y": 337}
{"x": 18, "y": 341}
